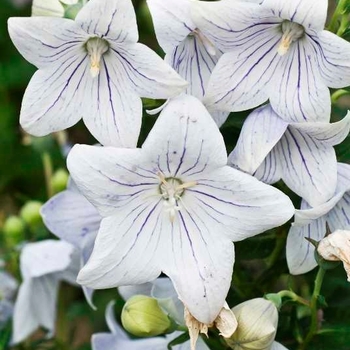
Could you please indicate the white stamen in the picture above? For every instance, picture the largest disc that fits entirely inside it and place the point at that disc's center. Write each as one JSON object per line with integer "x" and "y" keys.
{"x": 96, "y": 47}
{"x": 206, "y": 42}
{"x": 291, "y": 32}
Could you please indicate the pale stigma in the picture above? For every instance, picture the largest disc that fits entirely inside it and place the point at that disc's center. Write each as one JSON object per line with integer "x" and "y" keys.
{"x": 291, "y": 32}
{"x": 205, "y": 41}
{"x": 96, "y": 48}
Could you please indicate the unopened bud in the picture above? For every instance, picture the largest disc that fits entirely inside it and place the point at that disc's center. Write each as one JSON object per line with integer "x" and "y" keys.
{"x": 59, "y": 180}
{"x": 30, "y": 213}
{"x": 257, "y": 325}
{"x": 14, "y": 231}
{"x": 142, "y": 316}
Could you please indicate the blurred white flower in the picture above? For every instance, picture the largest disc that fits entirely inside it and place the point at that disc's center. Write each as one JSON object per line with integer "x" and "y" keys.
{"x": 49, "y": 7}
{"x": 8, "y": 287}
{"x": 336, "y": 247}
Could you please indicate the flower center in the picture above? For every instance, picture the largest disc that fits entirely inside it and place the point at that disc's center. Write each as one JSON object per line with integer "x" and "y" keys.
{"x": 291, "y": 32}
{"x": 209, "y": 46}
{"x": 96, "y": 47}
{"x": 171, "y": 190}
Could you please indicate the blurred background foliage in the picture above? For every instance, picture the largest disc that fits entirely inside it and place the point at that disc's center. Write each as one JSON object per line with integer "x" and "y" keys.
{"x": 28, "y": 164}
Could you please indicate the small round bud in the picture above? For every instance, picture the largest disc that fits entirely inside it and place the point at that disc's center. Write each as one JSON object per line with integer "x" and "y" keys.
{"x": 59, "y": 180}
{"x": 142, "y": 316}
{"x": 14, "y": 231}
{"x": 30, "y": 213}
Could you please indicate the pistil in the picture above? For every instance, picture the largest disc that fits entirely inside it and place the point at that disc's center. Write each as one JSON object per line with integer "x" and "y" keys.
{"x": 205, "y": 41}
{"x": 291, "y": 33}
{"x": 96, "y": 48}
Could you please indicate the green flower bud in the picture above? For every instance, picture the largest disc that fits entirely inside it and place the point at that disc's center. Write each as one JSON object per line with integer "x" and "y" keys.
{"x": 59, "y": 180}
{"x": 14, "y": 231}
{"x": 142, "y": 316}
{"x": 30, "y": 213}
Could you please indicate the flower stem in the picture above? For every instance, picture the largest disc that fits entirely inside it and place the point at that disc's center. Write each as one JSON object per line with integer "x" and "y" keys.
{"x": 339, "y": 93}
{"x": 293, "y": 296}
{"x": 47, "y": 164}
{"x": 339, "y": 11}
{"x": 314, "y": 310}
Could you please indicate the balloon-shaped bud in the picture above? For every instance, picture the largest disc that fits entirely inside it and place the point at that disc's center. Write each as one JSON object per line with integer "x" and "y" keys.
{"x": 30, "y": 213}
{"x": 14, "y": 231}
{"x": 142, "y": 316}
{"x": 59, "y": 180}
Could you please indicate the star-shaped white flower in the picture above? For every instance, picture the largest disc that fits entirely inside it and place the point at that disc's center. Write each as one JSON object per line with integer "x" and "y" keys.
{"x": 91, "y": 68}
{"x": 310, "y": 222}
{"x": 173, "y": 206}
{"x": 72, "y": 218}
{"x": 187, "y": 50}
{"x": 277, "y": 50}
{"x": 302, "y": 154}
{"x": 43, "y": 265}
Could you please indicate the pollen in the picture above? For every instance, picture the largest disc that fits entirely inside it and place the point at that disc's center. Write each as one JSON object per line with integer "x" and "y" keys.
{"x": 291, "y": 33}
{"x": 96, "y": 48}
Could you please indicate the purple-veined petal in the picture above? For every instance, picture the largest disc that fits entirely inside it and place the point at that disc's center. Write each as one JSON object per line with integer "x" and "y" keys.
{"x": 270, "y": 171}
{"x": 199, "y": 263}
{"x": 241, "y": 79}
{"x": 219, "y": 117}
{"x": 310, "y": 167}
{"x": 112, "y": 178}
{"x": 127, "y": 247}
{"x": 333, "y": 57}
{"x": 146, "y": 73}
{"x": 172, "y": 21}
{"x": 194, "y": 63}
{"x": 300, "y": 252}
{"x": 45, "y": 257}
{"x": 230, "y": 25}
{"x": 238, "y": 203}
{"x": 311, "y": 14}
{"x": 260, "y": 133}
{"x": 35, "y": 306}
{"x": 71, "y": 217}
{"x": 326, "y": 133}
{"x": 339, "y": 217}
{"x": 112, "y": 19}
{"x": 45, "y": 40}
{"x": 185, "y": 140}
{"x": 343, "y": 183}
{"x": 298, "y": 93}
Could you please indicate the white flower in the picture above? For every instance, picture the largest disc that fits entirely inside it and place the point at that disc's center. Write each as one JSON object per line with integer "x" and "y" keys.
{"x": 257, "y": 326}
{"x": 50, "y": 7}
{"x": 336, "y": 247}
{"x": 117, "y": 339}
{"x": 310, "y": 222}
{"x": 43, "y": 265}
{"x": 91, "y": 68}
{"x": 302, "y": 154}
{"x": 8, "y": 287}
{"x": 277, "y": 50}
{"x": 173, "y": 206}
{"x": 72, "y": 218}
{"x": 187, "y": 50}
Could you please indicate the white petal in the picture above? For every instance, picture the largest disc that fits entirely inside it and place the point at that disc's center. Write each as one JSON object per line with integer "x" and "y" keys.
{"x": 231, "y": 24}
{"x": 147, "y": 74}
{"x": 300, "y": 252}
{"x": 113, "y": 19}
{"x": 127, "y": 247}
{"x": 260, "y": 132}
{"x": 199, "y": 261}
{"x": 277, "y": 346}
{"x": 194, "y": 63}
{"x": 239, "y": 204}
{"x": 47, "y": 8}
{"x": 127, "y": 292}
{"x": 333, "y": 56}
{"x": 71, "y": 217}
{"x": 112, "y": 323}
{"x": 44, "y": 40}
{"x": 298, "y": 93}
{"x": 185, "y": 140}
{"x": 310, "y": 168}
{"x": 45, "y": 257}
{"x": 270, "y": 171}
{"x": 106, "y": 341}
{"x": 219, "y": 117}
{"x": 311, "y": 14}
{"x": 112, "y": 178}
{"x": 241, "y": 79}
{"x": 35, "y": 306}
{"x": 172, "y": 21}
{"x": 326, "y": 133}
{"x": 339, "y": 217}
{"x": 343, "y": 177}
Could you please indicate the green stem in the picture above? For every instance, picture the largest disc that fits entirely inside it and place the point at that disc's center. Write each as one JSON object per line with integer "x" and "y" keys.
{"x": 339, "y": 93}
{"x": 339, "y": 11}
{"x": 344, "y": 23}
{"x": 48, "y": 171}
{"x": 314, "y": 310}
{"x": 293, "y": 296}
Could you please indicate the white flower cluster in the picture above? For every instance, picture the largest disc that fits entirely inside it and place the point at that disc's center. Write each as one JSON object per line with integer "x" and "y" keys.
{"x": 177, "y": 204}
